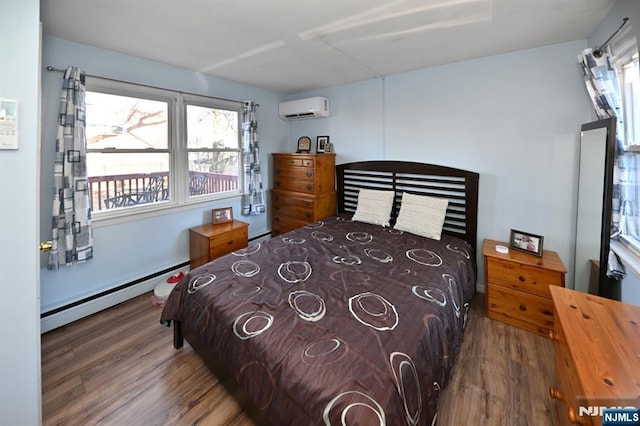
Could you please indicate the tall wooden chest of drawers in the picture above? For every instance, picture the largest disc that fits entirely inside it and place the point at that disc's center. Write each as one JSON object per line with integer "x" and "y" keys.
{"x": 597, "y": 347}
{"x": 517, "y": 286}
{"x": 303, "y": 190}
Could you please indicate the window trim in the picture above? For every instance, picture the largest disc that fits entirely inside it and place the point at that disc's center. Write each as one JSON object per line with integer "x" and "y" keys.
{"x": 632, "y": 130}
{"x": 177, "y": 149}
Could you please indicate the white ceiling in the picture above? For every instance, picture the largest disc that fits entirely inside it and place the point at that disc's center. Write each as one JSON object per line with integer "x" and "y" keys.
{"x": 297, "y": 45}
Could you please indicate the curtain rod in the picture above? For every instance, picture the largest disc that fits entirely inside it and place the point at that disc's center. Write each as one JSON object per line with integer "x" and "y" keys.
{"x": 50, "y": 68}
{"x": 598, "y": 52}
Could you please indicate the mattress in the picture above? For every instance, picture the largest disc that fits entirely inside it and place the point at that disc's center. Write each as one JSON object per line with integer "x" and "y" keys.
{"x": 338, "y": 322}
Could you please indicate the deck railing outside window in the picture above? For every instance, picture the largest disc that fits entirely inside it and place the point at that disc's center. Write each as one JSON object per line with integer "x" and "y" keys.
{"x": 119, "y": 191}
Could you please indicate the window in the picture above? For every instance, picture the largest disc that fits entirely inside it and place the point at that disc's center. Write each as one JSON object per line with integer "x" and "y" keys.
{"x": 138, "y": 160}
{"x": 213, "y": 149}
{"x": 631, "y": 100}
{"x": 624, "y": 50}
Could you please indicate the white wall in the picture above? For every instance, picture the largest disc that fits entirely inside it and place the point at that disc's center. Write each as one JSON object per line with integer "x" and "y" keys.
{"x": 514, "y": 118}
{"x": 137, "y": 248}
{"x": 19, "y": 298}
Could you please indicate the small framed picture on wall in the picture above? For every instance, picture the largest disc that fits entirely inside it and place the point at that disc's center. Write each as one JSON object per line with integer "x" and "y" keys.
{"x": 321, "y": 144}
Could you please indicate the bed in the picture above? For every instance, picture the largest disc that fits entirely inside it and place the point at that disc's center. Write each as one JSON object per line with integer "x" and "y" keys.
{"x": 341, "y": 321}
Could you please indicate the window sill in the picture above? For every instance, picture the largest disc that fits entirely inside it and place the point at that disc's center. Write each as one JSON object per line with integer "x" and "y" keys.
{"x": 630, "y": 260}
{"x": 141, "y": 213}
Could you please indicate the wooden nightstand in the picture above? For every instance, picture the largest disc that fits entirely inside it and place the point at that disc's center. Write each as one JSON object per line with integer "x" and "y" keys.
{"x": 517, "y": 286}
{"x": 209, "y": 241}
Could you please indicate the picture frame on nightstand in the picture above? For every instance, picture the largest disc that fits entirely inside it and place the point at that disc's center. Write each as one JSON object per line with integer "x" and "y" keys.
{"x": 526, "y": 242}
{"x": 222, "y": 215}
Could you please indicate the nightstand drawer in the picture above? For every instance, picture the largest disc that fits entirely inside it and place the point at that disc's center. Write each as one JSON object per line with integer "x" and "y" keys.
{"x": 227, "y": 247}
{"x": 522, "y": 277}
{"x": 229, "y": 239}
{"x": 533, "y": 313}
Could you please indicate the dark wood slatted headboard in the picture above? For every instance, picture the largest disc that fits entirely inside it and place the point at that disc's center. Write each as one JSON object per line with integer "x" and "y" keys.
{"x": 458, "y": 186}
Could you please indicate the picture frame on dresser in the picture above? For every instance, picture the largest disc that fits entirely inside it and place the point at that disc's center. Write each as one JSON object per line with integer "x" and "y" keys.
{"x": 321, "y": 144}
{"x": 222, "y": 215}
{"x": 304, "y": 145}
{"x": 526, "y": 242}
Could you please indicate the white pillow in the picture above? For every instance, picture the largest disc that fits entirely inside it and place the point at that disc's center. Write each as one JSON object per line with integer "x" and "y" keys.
{"x": 422, "y": 215}
{"x": 374, "y": 206}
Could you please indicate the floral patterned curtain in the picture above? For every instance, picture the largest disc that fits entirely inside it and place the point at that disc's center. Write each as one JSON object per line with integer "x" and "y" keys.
{"x": 253, "y": 198}
{"x": 72, "y": 235}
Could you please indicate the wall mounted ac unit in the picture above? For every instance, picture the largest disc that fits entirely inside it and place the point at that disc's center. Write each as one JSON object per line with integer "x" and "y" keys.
{"x": 315, "y": 107}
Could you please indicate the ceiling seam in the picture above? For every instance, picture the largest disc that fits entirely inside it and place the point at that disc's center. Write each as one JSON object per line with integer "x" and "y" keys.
{"x": 348, "y": 56}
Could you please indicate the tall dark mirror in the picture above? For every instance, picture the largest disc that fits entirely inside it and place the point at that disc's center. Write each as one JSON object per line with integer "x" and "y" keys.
{"x": 595, "y": 188}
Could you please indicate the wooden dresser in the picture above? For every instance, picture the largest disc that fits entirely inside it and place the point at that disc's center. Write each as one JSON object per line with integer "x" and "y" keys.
{"x": 210, "y": 241}
{"x": 517, "y": 286}
{"x": 303, "y": 190}
{"x": 597, "y": 345}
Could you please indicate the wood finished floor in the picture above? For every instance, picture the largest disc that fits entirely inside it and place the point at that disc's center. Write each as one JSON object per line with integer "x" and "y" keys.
{"x": 118, "y": 367}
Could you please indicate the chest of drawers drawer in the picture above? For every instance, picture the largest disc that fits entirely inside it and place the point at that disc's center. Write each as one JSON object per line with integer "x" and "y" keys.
{"x": 293, "y": 206}
{"x": 299, "y": 173}
{"x": 567, "y": 386}
{"x": 524, "y": 310}
{"x": 285, "y": 224}
{"x": 302, "y": 186}
{"x": 288, "y": 162}
{"x": 526, "y": 278}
